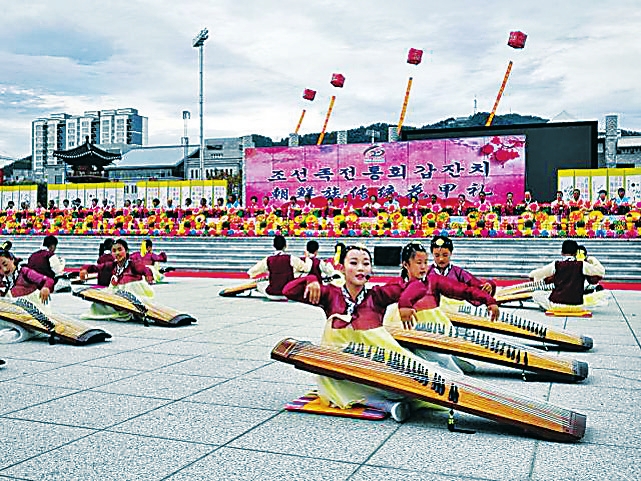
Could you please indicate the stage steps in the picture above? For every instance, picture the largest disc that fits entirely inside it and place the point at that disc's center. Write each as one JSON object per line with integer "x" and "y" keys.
{"x": 489, "y": 258}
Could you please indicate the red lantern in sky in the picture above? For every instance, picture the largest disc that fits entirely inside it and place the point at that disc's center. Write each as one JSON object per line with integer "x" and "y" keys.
{"x": 517, "y": 40}
{"x": 414, "y": 56}
{"x": 309, "y": 94}
{"x": 338, "y": 80}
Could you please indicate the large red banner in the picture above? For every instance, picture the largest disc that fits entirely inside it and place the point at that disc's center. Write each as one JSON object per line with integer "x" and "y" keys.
{"x": 445, "y": 167}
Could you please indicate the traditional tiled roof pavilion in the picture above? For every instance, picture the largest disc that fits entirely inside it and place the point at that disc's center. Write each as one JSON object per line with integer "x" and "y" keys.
{"x": 87, "y": 162}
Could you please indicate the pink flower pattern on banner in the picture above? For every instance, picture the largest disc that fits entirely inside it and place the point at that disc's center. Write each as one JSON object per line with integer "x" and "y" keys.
{"x": 503, "y": 149}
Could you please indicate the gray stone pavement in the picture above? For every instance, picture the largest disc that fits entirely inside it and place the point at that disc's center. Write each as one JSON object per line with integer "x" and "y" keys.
{"x": 206, "y": 402}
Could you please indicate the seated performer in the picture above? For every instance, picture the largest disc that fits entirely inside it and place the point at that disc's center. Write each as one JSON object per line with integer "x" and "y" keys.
{"x": 320, "y": 269}
{"x": 568, "y": 275}
{"x": 126, "y": 274}
{"x": 483, "y": 205}
{"x": 433, "y": 204}
{"x": 509, "y": 208}
{"x": 105, "y": 258}
{"x": 558, "y": 205}
{"x": 391, "y": 204}
{"x": 576, "y": 203}
{"x": 46, "y": 262}
{"x": 415, "y": 264}
{"x": 253, "y": 208}
{"x": 290, "y": 209}
{"x": 148, "y": 258}
{"x": 371, "y": 208}
{"x": 280, "y": 267}
{"x": 441, "y": 248}
{"x": 594, "y": 295}
{"x": 355, "y": 315}
{"x": 621, "y": 203}
{"x": 529, "y": 203}
{"x": 602, "y": 203}
{"x": 24, "y": 283}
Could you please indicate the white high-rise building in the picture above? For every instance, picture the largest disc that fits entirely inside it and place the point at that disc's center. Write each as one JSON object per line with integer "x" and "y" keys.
{"x": 110, "y": 129}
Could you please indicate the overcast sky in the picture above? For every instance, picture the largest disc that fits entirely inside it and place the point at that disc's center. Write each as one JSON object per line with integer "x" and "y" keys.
{"x": 581, "y": 56}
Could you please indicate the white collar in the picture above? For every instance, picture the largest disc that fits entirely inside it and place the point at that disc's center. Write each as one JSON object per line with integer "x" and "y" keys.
{"x": 444, "y": 273}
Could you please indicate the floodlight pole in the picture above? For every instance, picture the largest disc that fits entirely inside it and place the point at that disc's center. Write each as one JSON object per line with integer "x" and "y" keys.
{"x": 375, "y": 134}
{"x": 199, "y": 42}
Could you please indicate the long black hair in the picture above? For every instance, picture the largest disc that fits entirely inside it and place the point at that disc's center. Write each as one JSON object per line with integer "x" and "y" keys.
{"x": 407, "y": 254}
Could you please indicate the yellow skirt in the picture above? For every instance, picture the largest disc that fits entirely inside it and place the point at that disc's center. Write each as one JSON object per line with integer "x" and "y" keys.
{"x": 140, "y": 289}
{"x": 437, "y": 316}
{"x": 155, "y": 272}
{"x": 596, "y": 299}
{"x": 426, "y": 316}
{"x": 590, "y": 302}
{"x": 451, "y": 305}
{"x": 345, "y": 394}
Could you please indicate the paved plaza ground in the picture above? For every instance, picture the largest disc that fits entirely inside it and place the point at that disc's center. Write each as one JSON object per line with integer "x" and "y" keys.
{"x": 205, "y": 402}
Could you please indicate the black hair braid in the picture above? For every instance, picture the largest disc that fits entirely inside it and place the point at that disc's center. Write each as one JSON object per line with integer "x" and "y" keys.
{"x": 407, "y": 254}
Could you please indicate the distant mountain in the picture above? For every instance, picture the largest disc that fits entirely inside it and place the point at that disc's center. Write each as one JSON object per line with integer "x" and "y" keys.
{"x": 358, "y": 135}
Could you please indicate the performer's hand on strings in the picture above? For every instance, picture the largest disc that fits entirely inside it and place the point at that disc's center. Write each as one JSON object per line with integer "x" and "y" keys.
{"x": 407, "y": 317}
{"x": 494, "y": 311}
{"x": 83, "y": 274}
{"x": 313, "y": 292}
{"x": 487, "y": 287}
{"x": 44, "y": 295}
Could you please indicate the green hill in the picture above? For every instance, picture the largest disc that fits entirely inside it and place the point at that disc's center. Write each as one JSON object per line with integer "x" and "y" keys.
{"x": 358, "y": 135}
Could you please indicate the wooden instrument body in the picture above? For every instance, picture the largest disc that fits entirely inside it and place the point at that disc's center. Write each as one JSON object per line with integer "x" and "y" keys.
{"x": 516, "y": 326}
{"x": 443, "y": 388}
{"x": 520, "y": 292}
{"x": 477, "y": 345}
{"x": 161, "y": 315}
{"x": 57, "y": 326}
{"x": 234, "y": 291}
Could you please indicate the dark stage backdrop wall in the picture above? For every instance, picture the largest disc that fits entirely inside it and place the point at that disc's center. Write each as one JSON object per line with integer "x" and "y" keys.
{"x": 548, "y": 148}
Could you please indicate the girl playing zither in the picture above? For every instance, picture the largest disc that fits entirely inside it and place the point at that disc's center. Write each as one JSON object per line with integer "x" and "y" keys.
{"x": 355, "y": 315}
{"x": 441, "y": 248}
{"x": 105, "y": 260}
{"x": 21, "y": 283}
{"x": 126, "y": 274}
{"x": 415, "y": 267}
{"x": 150, "y": 259}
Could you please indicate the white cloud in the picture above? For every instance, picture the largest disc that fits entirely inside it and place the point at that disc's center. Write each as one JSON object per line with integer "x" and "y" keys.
{"x": 74, "y": 55}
